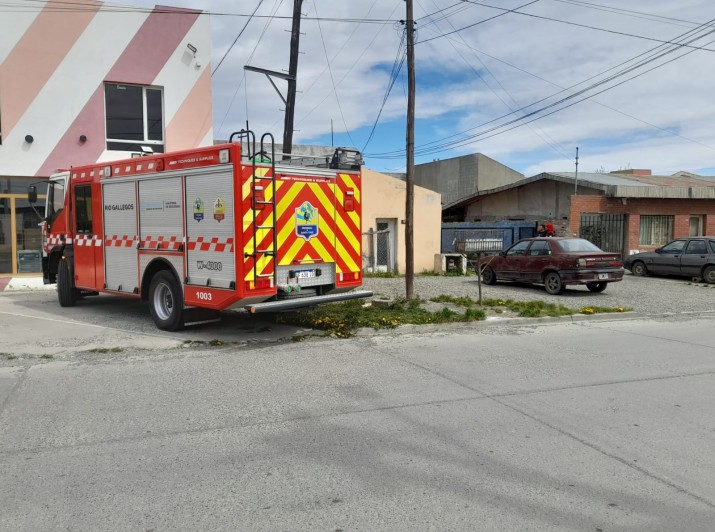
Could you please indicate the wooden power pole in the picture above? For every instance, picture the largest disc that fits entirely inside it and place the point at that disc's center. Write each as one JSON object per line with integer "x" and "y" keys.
{"x": 409, "y": 179}
{"x": 292, "y": 80}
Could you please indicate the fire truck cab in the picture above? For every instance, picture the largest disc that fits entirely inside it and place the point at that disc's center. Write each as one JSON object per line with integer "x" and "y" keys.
{"x": 199, "y": 231}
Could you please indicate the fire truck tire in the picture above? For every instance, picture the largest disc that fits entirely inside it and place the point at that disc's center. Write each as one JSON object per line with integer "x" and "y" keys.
{"x": 66, "y": 293}
{"x": 166, "y": 302}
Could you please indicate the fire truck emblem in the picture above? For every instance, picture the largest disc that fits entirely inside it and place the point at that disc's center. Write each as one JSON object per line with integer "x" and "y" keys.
{"x": 198, "y": 209}
{"x": 219, "y": 210}
{"x": 306, "y": 221}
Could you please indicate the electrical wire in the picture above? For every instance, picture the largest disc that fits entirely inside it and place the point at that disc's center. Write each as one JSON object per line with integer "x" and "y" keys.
{"x": 541, "y": 134}
{"x": 438, "y": 146}
{"x": 516, "y": 12}
{"x": 332, "y": 80}
{"x": 237, "y": 37}
{"x": 396, "y": 68}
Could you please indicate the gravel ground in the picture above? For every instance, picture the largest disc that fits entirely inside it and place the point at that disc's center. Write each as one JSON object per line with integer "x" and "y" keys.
{"x": 646, "y": 295}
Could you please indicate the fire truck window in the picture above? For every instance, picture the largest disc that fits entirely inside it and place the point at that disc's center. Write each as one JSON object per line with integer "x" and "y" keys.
{"x": 83, "y": 209}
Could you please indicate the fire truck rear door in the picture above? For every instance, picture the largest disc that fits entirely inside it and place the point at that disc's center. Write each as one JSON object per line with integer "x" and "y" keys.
{"x": 306, "y": 228}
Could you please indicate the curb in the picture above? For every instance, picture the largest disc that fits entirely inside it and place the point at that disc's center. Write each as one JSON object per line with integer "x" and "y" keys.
{"x": 19, "y": 284}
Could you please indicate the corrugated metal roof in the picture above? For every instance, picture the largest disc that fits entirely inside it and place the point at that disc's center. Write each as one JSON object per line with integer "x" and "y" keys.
{"x": 600, "y": 179}
{"x": 635, "y": 180}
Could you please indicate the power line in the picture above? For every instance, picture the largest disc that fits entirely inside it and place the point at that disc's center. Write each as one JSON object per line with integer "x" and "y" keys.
{"x": 237, "y": 37}
{"x": 332, "y": 80}
{"x": 516, "y": 12}
{"x": 655, "y": 126}
{"x": 434, "y": 147}
{"x": 72, "y": 7}
{"x": 396, "y": 67}
{"x": 541, "y": 134}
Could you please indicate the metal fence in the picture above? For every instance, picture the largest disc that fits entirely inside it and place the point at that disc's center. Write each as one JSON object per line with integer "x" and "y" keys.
{"x": 607, "y": 231}
{"x": 377, "y": 252}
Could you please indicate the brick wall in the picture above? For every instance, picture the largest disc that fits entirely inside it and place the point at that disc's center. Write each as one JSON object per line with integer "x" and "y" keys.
{"x": 681, "y": 209}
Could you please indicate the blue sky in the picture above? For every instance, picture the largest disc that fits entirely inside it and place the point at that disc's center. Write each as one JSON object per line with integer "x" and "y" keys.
{"x": 480, "y": 70}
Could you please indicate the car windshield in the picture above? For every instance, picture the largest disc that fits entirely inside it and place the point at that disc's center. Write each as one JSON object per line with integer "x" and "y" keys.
{"x": 577, "y": 244}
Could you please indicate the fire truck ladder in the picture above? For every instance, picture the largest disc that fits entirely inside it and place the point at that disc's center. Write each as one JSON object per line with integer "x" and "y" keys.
{"x": 265, "y": 183}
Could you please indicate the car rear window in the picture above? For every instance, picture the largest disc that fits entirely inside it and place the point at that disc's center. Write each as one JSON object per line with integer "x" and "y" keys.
{"x": 577, "y": 244}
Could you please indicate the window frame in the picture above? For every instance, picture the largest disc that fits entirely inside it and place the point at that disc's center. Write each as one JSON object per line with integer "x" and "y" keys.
{"x": 658, "y": 228}
{"x": 124, "y": 144}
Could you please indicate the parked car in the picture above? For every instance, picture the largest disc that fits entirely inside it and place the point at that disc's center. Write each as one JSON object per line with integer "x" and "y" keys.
{"x": 683, "y": 257}
{"x": 555, "y": 263}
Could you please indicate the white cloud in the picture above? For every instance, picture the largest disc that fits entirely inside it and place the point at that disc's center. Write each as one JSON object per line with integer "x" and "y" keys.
{"x": 459, "y": 87}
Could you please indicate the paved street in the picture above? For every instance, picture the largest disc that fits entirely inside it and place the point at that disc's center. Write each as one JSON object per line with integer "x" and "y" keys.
{"x": 601, "y": 424}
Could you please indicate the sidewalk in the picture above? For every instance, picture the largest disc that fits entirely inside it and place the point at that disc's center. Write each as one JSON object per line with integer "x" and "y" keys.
{"x": 9, "y": 284}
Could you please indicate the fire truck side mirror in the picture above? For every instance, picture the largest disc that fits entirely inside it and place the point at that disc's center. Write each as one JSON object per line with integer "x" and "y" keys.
{"x": 32, "y": 194}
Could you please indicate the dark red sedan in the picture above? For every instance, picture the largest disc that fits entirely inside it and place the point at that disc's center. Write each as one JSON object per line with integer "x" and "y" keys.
{"x": 555, "y": 263}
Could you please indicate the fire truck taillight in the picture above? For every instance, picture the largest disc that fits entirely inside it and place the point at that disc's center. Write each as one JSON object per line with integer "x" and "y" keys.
{"x": 223, "y": 156}
{"x": 349, "y": 200}
{"x": 260, "y": 283}
{"x": 259, "y": 197}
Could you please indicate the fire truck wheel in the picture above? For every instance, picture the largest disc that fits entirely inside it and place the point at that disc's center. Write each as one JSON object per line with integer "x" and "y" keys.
{"x": 166, "y": 303}
{"x": 66, "y": 292}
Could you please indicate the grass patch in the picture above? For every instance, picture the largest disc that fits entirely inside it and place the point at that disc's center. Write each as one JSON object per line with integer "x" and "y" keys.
{"x": 216, "y": 343}
{"x": 343, "y": 319}
{"x": 47, "y": 357}
{"x": 8, "y": 356}
{"x": 603, "y": 310}
{"x": 104, "y": 350}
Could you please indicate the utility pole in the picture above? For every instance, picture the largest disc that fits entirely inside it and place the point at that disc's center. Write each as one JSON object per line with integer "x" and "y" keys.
{"x": 575, "y": 182}
{"x": 292, "y": 80}
{"x": 409, "y": 178}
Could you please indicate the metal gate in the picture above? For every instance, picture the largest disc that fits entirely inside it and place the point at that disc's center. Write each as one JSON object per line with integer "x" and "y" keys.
{"x": 607, "y": 231}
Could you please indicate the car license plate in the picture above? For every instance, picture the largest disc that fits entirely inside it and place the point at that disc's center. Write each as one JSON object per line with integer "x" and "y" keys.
{"x": 602, "y": 276}
{"x": 304, "y": 274}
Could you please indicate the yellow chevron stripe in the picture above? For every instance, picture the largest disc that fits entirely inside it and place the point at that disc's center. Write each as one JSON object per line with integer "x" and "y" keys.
{"x": 350, "y": 237}
{"x": 322, "y": 252}
{"x": 324, "y": 200}
{"x": 292, "y": 252}
{"x": 352, "y": 215}
{"x": 350, "y": 183}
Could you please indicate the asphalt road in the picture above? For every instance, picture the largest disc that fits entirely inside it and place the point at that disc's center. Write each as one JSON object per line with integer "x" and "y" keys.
{"x": 601, "y": 424}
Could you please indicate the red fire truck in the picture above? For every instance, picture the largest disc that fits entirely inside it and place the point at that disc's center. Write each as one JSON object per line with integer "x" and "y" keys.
{"x": 204, "y": 230}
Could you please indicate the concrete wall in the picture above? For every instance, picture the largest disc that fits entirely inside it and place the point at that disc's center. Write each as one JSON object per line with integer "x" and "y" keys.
{"x": 53, "y": 66}
{"x": 384, "y": 198}
{"x": 538, "y": 201}
{"x": 461, "y": 177}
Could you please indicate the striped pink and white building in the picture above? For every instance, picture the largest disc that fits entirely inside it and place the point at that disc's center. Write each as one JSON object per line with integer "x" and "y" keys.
{"x": 88, "y": 81}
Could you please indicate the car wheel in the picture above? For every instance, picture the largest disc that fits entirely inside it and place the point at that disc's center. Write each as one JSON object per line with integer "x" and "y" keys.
{"x": 553, "y": 284}
{"x": 66, "y": 293}
{"x": 166, "y": 303}
{"x": 709, "y": 274}
{"x": 639, "y": 269}
{"x": 488, "y": 275}
{"x": 596, "y": 287}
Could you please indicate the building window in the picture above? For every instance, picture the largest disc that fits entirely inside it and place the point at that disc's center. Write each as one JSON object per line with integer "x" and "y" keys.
{"x": 696, "y": 225}
{"x": 135, "y": 117}
{"x": 655, "y": 230}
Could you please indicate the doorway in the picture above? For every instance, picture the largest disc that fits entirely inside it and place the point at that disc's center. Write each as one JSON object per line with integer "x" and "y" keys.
{"x": 385, "y": 248}
{"x": 20, "y": 236}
